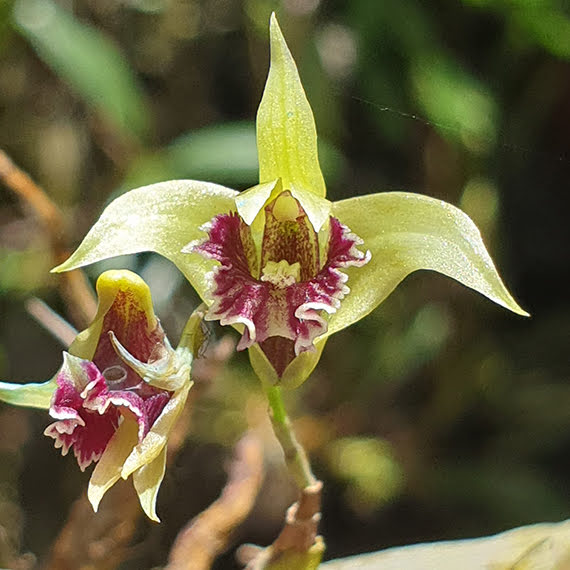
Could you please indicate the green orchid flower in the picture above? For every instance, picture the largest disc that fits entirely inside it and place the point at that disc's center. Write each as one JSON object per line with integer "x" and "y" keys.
{"x": 119, "y": 391}
{"x": 276, "y": 261}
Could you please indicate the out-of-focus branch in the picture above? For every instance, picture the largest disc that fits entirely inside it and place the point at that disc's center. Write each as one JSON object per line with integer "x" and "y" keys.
{"x": 74, "y": 286}
{"x": 89, "y": 540}
{"x": 297, "y": 547}
{"x": 51, "y": 321}
{"x": 207, "y": 535}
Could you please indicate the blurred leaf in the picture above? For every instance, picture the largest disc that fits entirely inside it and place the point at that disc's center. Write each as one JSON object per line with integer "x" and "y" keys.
{"x": 259, "y": 12}
{"x": 405, "y": 350}
{"x": 540, "y": 546}
{"x": 458, "y": 105}
{"x": 481, "y": 202}
{"x": 546, "y": 22}
{"x": 391, "y": 35}
{"x": 370, "y": 468}
{"x": 392, "y": 24}
{"x": 506, "y": 493}
{"x": 547, "y": 25}
{"x": 225, "y": 153}
{"x": 87, "y": 60}
{"x": 5, "y": 10}
{"x": 24, "y": 270}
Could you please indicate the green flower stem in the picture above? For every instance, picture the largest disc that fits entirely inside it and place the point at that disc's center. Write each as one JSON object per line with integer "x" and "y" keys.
{"x": 193, "y": 335}
{"x": 295, "y": 456}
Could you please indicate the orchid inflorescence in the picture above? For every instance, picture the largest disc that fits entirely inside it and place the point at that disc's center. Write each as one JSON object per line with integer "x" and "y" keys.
{"x": 279, "y": 262}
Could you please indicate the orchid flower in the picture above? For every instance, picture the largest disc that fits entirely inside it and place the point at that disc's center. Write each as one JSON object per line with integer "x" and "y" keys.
{"x": 280, "y": 262}
{"x": 118, "y": 393}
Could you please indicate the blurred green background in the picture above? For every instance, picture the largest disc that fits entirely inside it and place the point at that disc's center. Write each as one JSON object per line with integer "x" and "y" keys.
{"x": 439, "y": 416}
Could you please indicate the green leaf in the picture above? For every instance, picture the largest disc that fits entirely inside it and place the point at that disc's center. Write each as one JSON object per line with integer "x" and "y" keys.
{"x": 29, "y": 395}
{"x": 162, "y": 217}
{"x": 286, "y": 133}
{"x": 24, "y": 270}
{"x": 85, "y": 59}
{"x": 406, "y": 232}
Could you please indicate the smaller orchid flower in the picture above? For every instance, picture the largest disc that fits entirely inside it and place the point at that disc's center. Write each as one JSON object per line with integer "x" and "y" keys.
{"x": 118, "y": 393}
{"x": 279, "y": 262}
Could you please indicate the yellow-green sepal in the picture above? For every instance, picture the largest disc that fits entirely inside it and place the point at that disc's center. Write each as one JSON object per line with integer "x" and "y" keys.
{"x": 194, "y": 335}
{"x": 30, "y": 395}
{"x": 162, "y": 217}
{"x": 147, "y": 482}
{"x": 406, "y": 232}
{"x": 109, "y": 285}
{"x": 151, "y": 446}
{"x": 286, "y": 133}
{"x": 296, "y": 372}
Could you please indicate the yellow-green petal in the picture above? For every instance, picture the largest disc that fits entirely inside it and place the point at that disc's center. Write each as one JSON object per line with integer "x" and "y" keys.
{"x": 251, "y": 201}
{"x": 286, "y": 133}
{"x": 147, "y": 482}
{"x": 318, "y": 209}
{"x": 155, "y": 440}
{"x": 406, "y": 232}
{"x": 108, "y": 470}
{"x": 162, "y": 217}
{"x": 30, "y": 395}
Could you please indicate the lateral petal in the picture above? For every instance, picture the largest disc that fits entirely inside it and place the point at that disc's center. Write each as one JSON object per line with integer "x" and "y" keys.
{"x": 406, "y": 232}
{"x": 161, "y": 217}
{"x": 31, "y": 395}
